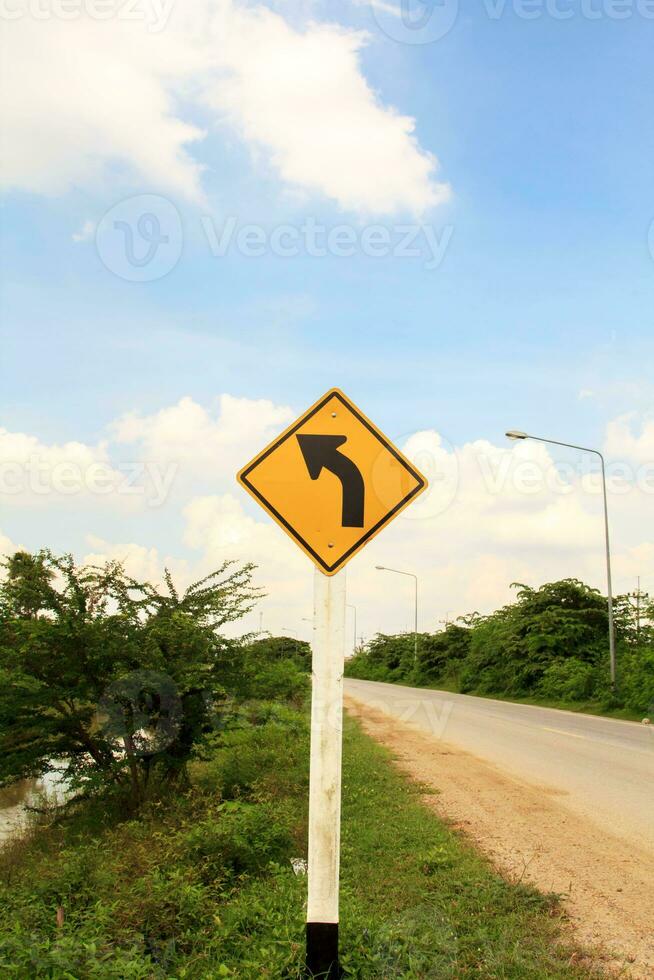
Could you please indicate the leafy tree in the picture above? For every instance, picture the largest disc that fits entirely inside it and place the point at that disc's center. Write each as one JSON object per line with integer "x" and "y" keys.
{"x": 568, "y": 680}
{"x": 511, "y": 649}
{"x": 441, "y": 654}
{"x": 384, "y": 658}
{"x": 273, "y": 648}
{"x": 109, "y": 677}
{"x": 637, "y": 679}
{"x": 272, "y": 667}
{"x": 552, "y": 642}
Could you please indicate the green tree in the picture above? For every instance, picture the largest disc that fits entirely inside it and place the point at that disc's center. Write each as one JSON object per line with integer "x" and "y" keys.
{"x": 511, "y": 649}
{"x": 272, "y": 668}
{"x": 440, "y": 655}
{"x": 273, "y": 648}
{"x": 384, "y": 658}
{"x": 108, "y": 677}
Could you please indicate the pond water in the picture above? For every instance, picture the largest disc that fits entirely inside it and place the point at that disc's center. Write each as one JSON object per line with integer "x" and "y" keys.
{"x": 14, "y": 798}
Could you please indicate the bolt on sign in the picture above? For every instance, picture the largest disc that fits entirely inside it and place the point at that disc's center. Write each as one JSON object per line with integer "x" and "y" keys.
{"x": 332, "y": 481}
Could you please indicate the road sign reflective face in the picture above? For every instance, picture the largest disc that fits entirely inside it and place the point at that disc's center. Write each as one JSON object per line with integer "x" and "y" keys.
{"x": 332, "y": 481}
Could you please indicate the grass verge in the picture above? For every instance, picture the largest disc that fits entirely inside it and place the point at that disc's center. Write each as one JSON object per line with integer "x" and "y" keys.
{"x": 578, "y": 707}
{"x": 201, "y": 886}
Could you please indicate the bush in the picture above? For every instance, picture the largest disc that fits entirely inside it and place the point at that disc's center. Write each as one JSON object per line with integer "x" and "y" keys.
{"x": 282, "y": 680}
{"x": 551, "y": 643}
{"x": 568, "y": 680}
{"x": 194, "y": 880}
{"x": 637, "y": 679}
{"x": 114, "y": 678}
{"x": 240, "y": 837}
{"x": 263, "y": 755}
{"x": 385, "y": 658}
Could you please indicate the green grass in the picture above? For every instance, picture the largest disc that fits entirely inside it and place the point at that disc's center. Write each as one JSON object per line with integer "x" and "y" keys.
{"x": 580, "y": 707}
{"x": 419, "y": 901}
{"x": 201, "y": 886}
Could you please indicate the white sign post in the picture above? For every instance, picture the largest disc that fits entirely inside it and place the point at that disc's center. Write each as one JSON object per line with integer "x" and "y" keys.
{"x": 325, "y": 778}
{"x": 332, "y": 480}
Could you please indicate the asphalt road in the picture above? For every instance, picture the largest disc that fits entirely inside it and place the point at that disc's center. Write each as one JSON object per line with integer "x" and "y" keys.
{"x": 604, "y": 767}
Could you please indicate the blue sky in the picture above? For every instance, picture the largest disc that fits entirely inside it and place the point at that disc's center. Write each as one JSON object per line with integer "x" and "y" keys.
{"x": 539, "y": 314}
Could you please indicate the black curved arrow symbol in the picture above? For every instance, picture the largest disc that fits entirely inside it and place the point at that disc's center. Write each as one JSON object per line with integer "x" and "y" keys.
{"x": 321, "y": 452}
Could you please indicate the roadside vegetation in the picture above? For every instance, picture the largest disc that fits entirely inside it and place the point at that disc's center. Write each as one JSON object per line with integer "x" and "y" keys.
{"x": 200, "y": 885}
{"x": 549, "y": 647}
{"x": 178, "y": 850}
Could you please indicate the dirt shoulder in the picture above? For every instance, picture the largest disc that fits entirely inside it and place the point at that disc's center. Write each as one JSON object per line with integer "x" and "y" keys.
{"x": 607, "y": 886}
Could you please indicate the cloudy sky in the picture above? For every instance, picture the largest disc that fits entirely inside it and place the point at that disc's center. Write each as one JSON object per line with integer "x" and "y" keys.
{"x": 214, "y": 212}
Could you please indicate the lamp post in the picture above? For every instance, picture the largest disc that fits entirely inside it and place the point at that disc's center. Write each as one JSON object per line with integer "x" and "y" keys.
{"x": 383, "y": 568}
{"x": 517, "y": 434}
{"x": 354, "y": 608}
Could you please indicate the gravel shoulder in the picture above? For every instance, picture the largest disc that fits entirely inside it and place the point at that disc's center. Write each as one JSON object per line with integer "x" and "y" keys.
{"x": 525, "y": 828}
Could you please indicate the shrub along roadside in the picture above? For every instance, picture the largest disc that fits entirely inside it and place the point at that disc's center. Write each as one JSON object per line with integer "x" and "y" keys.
{"x": 201, "y": 886}
{"x": 550, "y": 647}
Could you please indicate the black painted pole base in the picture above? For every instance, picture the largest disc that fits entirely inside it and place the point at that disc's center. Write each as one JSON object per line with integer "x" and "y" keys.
{"x": 322, "y": 950}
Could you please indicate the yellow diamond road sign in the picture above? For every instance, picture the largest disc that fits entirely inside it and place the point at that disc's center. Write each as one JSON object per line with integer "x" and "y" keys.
{"x": 332, "y": 481}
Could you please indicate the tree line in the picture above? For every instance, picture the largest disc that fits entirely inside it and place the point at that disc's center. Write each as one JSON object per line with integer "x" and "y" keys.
{"x": 115, "y": 684}
{"x": 550, "y": 644}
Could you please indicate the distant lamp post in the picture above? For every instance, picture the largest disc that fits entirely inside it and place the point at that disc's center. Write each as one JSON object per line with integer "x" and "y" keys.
{"x": 517, "y": 434}
{"x": 354, "y": 609}
{"x": 383, "y": 568}
{"x": 285, "y": 629}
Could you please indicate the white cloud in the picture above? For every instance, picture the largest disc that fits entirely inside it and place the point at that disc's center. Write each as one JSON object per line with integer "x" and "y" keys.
{"x": 387, "y": 8}
{"x": 220, "y": 527}
{"x": 80, "y": 95}
{"x": 141, "y": 563}
{"x": 85, "y": 233}
{"x": 34, "y": 473}
{"x": 634, "y": 563}
{"x": 208, "y": 444}
{"x": 301, "y": 95}
{"x": 7, "y": 547}
{"x": 39, "y": 475}
{"x": 630, "y": 437}
{"x": 84, "y": 100}
{"x": 493, "y": 515}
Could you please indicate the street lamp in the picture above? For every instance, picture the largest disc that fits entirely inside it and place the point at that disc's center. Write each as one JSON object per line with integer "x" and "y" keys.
{"x": 285, "y": 629}
{"x": 517, "y": 434}
{"x": 382, "y": 568}
{"x": 354, "y": 608}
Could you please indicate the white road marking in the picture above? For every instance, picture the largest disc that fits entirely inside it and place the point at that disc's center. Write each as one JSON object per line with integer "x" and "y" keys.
{"x": 560, "y": 731}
